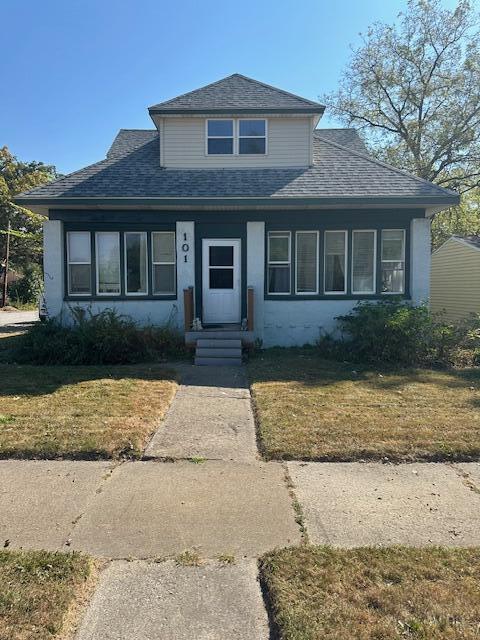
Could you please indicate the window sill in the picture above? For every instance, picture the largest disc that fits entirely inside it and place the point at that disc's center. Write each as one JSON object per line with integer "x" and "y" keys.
{"x": 329, "y": 296}
{"x": 155, "y": 298}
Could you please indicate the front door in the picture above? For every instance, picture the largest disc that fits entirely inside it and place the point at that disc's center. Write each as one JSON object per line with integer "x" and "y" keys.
{"x": 221, "y": 281}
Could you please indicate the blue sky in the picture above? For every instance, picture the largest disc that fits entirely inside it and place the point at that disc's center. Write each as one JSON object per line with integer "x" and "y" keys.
{"x": 75, "y": 71}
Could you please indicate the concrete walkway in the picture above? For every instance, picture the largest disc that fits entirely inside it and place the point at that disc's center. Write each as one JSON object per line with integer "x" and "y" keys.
{"x": 210, "y": 417}
{"x": 10, "y": 320}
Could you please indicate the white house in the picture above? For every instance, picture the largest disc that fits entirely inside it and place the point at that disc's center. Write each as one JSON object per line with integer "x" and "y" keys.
{"x": 236, "y": 210}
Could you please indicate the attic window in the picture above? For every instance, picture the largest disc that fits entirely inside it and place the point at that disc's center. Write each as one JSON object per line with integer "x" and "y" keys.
{"x": 252, "y": 138}
{"x": 220, "y": 137}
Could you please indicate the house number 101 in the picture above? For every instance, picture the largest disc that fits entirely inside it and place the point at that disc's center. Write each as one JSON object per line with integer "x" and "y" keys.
{"x": 185, "y": 247}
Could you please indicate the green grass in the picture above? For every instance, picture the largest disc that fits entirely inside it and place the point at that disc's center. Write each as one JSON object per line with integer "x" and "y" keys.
{"x": 313, "y": 409}
{"x": 81, "y": 412}
{"x": 321, "y": 593}
{"x": 37, "y": 592}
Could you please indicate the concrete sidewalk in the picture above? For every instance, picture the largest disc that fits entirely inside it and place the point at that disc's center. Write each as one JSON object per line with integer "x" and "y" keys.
{"x": 210, "y": 417}
{"x": 10, "y": 320}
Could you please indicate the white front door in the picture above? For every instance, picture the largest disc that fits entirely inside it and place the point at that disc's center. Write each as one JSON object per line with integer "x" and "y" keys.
{"x": 221, "y": 281}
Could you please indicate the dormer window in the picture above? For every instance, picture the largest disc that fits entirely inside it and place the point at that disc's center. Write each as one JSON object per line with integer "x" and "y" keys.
{"x": 236, "y": 137}
{"x": 219, "y": 137}
{"x": 252, "y": 138}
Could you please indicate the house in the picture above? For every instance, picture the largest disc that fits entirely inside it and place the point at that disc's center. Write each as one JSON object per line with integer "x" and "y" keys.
{"x": 236, "y": 212}
{"x": 455, "y": 278}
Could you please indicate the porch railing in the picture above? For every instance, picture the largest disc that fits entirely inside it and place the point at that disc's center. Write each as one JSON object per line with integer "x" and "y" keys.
{"x": 250, "y": 308}
{"x": 188, "y": 308}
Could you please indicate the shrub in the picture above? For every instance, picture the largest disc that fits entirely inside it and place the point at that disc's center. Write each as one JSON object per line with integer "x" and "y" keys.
{"x": 28, "y": 288}
{"x": 397, "y": 332}
{"x": 104, "y": 338}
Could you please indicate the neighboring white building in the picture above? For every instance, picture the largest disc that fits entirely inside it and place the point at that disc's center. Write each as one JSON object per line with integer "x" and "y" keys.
{"x": 237, "y": 195}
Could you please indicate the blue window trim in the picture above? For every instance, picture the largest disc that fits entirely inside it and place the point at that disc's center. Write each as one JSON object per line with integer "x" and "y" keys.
{"x": 121, "y": 229}
{"x": 321, "y": 285}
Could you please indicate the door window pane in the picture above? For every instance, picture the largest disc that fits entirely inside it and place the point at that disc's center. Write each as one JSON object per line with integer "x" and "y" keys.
{"x": 108, "y": 263}
{"x": 307, "y": 260}
{"x": 136, "y": 262}
{"x": 335, "y": 253}
{"x": 221, "y": 256}
{"x": 221, "y": 279}
{"x": 363, "y": 262}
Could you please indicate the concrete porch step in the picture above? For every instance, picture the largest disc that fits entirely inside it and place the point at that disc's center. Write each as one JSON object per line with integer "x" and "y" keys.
{"x": 245, "y": 337}
{"x": 209, "y": 361}
{"x": 203, "y": 343}
{"x": 218, "y": 352}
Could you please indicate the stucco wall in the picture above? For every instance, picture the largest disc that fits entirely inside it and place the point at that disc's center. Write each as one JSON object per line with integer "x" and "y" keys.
{"x": 420, "y": 256}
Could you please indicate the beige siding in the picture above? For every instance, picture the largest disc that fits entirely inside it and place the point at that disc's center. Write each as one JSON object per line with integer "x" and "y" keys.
{"x": 455, "y": 280}
{"x": 288, "y": 145}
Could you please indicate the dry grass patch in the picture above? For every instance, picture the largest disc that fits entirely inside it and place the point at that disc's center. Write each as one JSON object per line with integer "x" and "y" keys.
{"x": 313, "y": 409}
{"x": 37, "y": 591}
{"x": 81, "y": 412}
{"x": 337, "y": 594}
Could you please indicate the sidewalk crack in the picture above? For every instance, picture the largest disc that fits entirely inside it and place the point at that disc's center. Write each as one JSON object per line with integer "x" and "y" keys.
{"x": 465, "y": 477}
{"x": 297, "y": 507}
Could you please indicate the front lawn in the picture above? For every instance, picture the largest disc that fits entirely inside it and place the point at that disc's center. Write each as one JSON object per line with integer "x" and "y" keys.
{"x": 339, "y": 594}
{"x": 313, "y": 409}
{"x": 81, "y": 412}
{"x": 37, "y": 591}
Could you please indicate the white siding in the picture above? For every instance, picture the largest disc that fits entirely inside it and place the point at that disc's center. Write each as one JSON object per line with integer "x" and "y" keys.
{"x": 455, "y": 280}
{"x": 420, "y": 260}
{"x": 184, "y": 145}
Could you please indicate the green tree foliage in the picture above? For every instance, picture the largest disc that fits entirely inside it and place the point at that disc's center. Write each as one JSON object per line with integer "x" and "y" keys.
{"x": 463, "y": 220}
{"x": 413, "y": 89}
{"x": 26, "y": 238}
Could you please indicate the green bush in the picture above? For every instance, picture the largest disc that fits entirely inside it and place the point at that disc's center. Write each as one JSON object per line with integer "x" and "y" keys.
{"x": 103, "y": 338}
{"x": 399, "y": 333}
{"x": 28, "y": 288}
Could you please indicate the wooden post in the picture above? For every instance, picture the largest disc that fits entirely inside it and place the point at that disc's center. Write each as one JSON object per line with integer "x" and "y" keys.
{"x": 188, "y": 308}
{"x": 250, "y": 308}
{"x": 5, "y": 275}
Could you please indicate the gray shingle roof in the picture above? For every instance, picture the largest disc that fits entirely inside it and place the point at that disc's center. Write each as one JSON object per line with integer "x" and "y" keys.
{"x": 339, "y": 173}
{"x": 237, "y": 92}
{"x": 346, "y": 137}
{"x": 473, "y": 240}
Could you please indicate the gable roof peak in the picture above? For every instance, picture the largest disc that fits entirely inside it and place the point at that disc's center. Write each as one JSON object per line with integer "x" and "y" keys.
{"x": 237, "y": 93}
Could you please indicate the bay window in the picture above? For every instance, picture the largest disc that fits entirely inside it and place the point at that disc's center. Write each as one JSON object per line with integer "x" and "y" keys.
{"x": 79, "y": 263}
{"x": 279, "y": 248}
{"x": 335, "y": 262}
{"x": 220, "y": 137}
{"x": 306, "y": 260}
{"x": 136, "y": 263}
{"x": 163, "y": 262}
{"x": 252, "y": 137}
{"x": 107, "y": 245}
{"x": 363, "y": 261}
{"x": 393, "y": 261}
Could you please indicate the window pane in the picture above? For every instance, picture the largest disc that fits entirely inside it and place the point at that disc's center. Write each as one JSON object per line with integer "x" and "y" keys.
{"x": 220, "y": 128}
{"x": 335, "y": 261}
{"x": 392, "y": 245}
{"x": 79, "y": 278}
{"x": 252, "y": 128}
{"x": 220, "y": 146}
{"x": 163, "y": 278}
{"x": 136, "y": 262}
{"x": 279, "y": 248}
{"x": 79, "y": 246}
{"x": 363, "y": 262}
{"x": 393, "y": 277}
{"x": 279, "y": 279}
{"x": 221, "y": 279}
{"x": 306, "y": 262}
{"x": 108, "y": 262}
{"x": 221, "y": 256}
{"x": 163, "y": 246}
{"x": 251, "y": 145}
